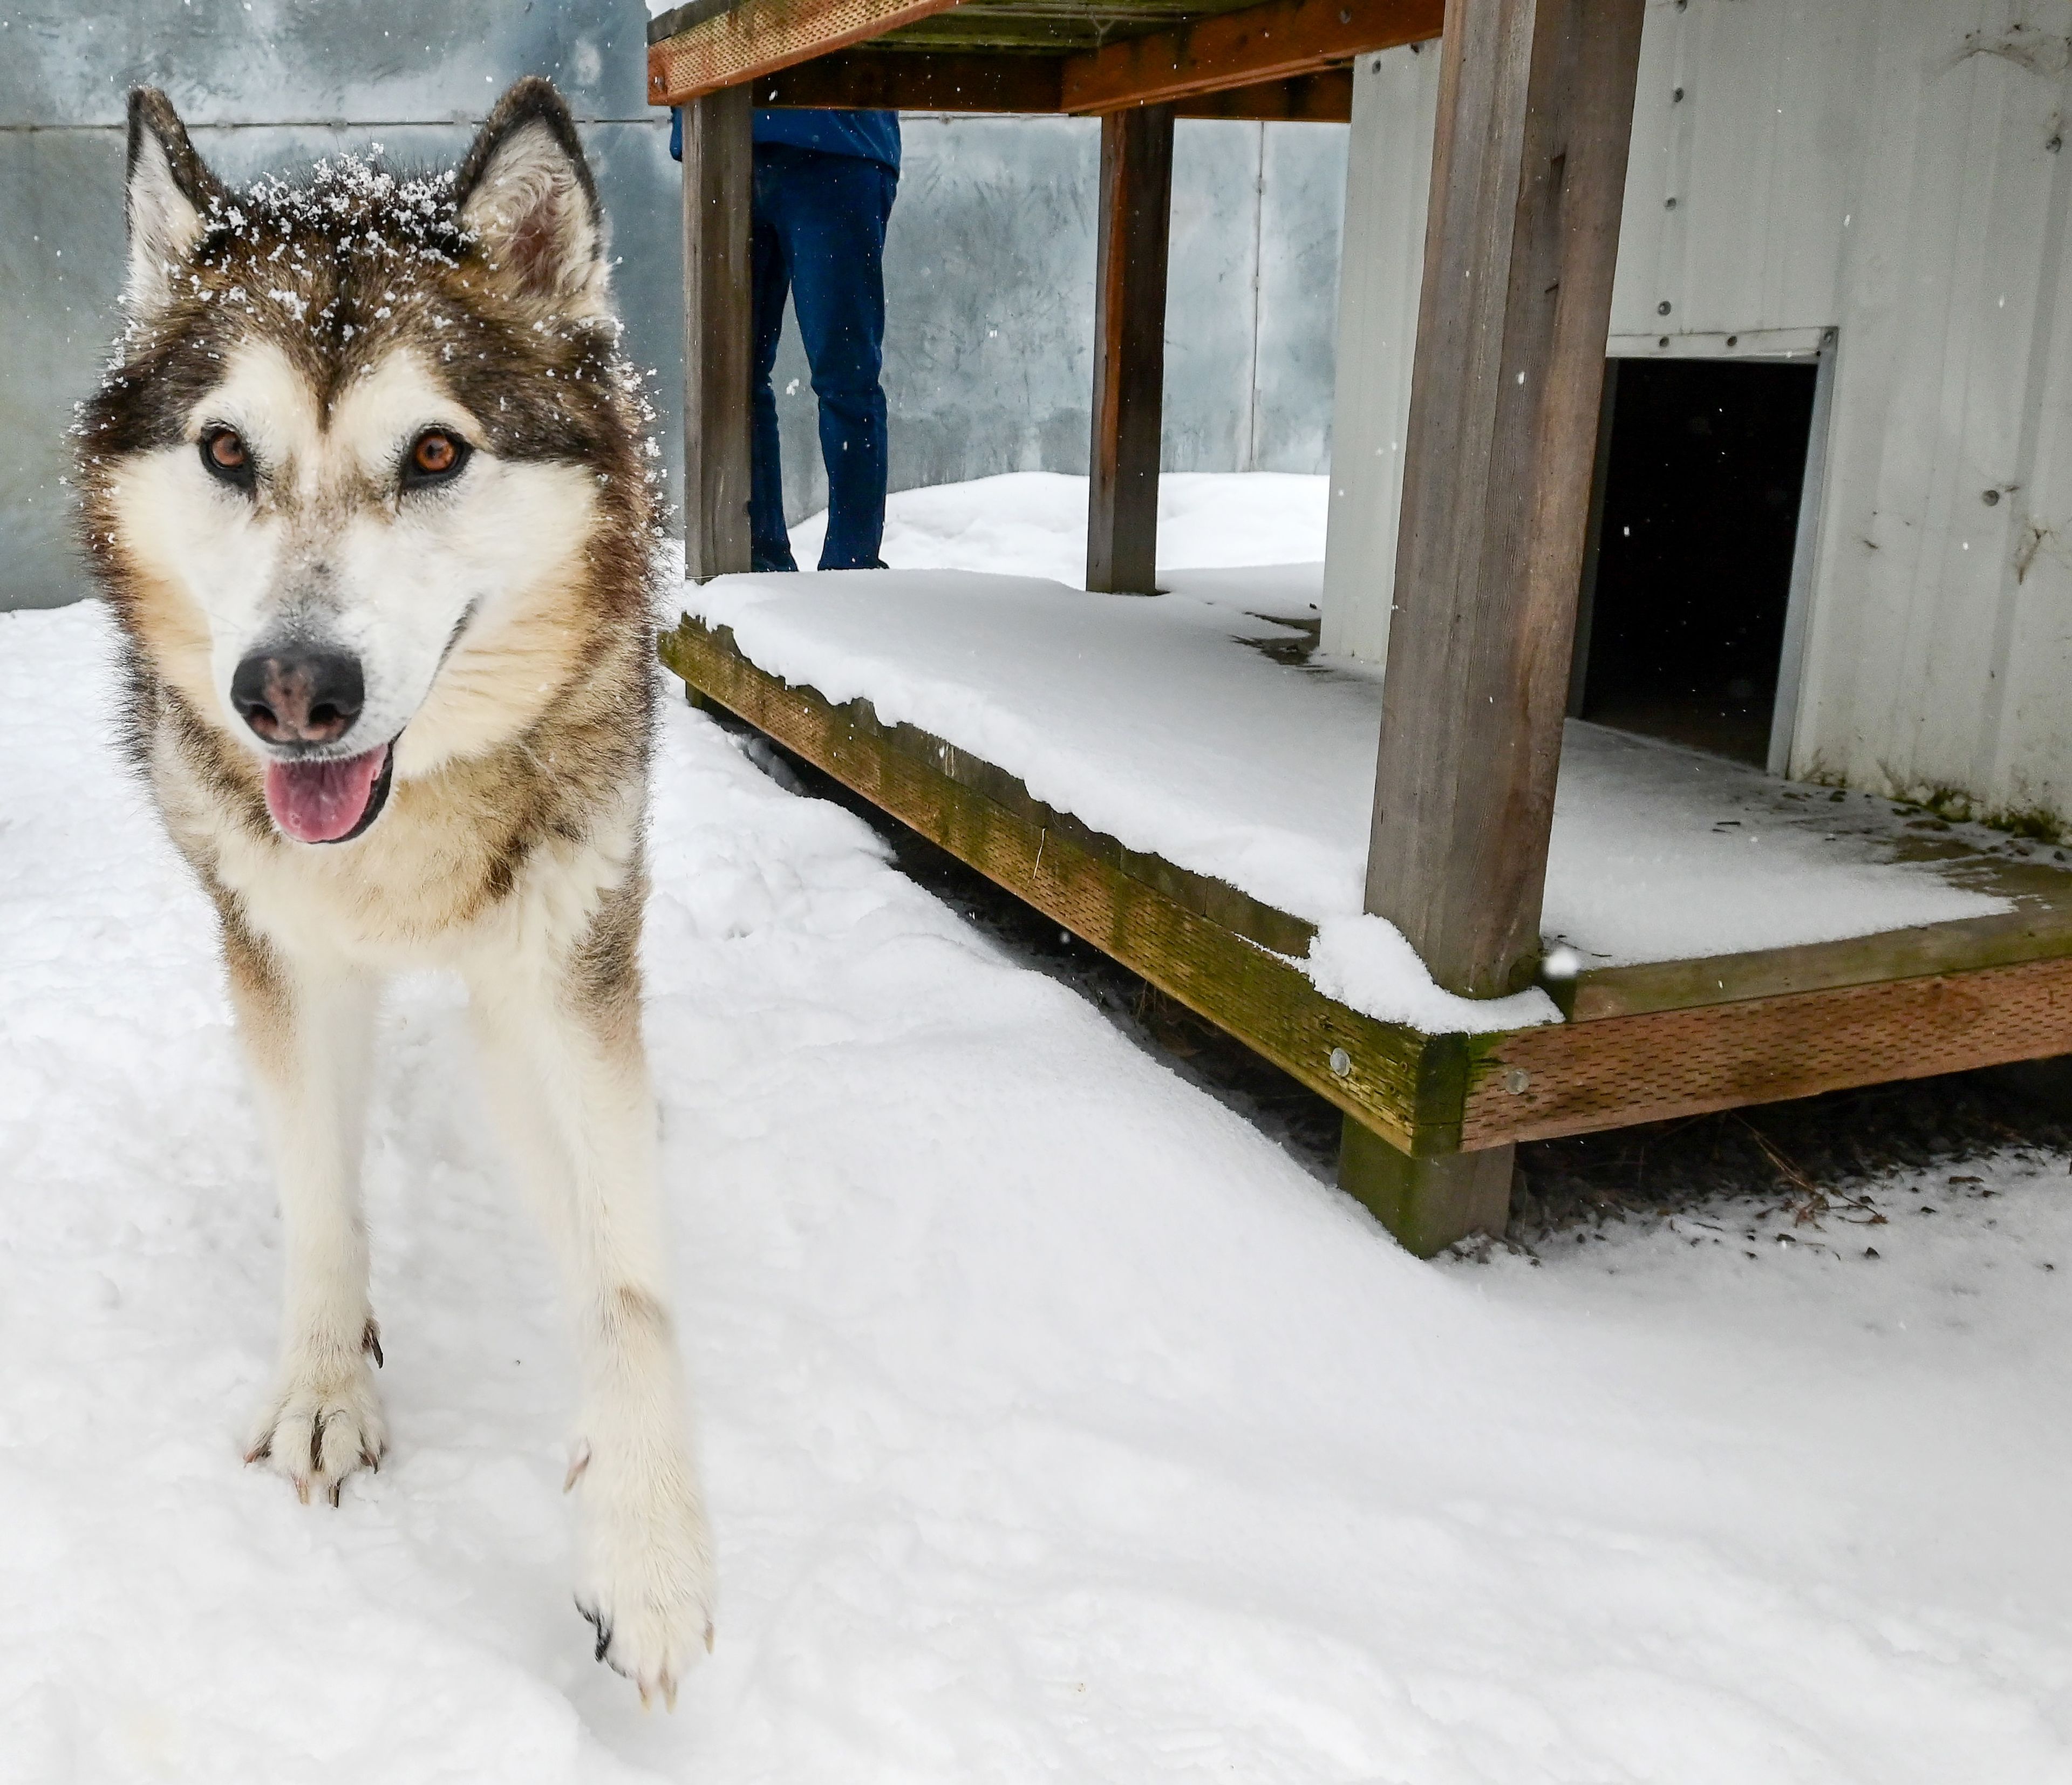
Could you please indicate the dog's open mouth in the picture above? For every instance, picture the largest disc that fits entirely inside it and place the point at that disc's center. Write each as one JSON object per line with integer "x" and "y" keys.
{"x": 330, "y": 802}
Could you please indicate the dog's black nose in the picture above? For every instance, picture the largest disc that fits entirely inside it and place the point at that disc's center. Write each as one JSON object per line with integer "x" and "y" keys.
{"x": 293, "y": 695}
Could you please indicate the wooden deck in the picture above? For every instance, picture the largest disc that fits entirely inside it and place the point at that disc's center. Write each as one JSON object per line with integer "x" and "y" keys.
{"x": 1285, "y": 59}
{"x": 1642, "y": 1044}
{"x": 1534, "y": 105}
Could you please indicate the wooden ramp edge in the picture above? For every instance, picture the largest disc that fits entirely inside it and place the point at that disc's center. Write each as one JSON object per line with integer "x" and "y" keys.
{"x": 1407, "y": 1086}
{"x": 1227, "y": 958}
{"x": 1613, "y": 1071}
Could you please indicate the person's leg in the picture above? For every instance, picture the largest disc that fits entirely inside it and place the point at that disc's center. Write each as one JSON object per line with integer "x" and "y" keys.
{"x": 836, "y": 240}
{"x": 770, "y": 542}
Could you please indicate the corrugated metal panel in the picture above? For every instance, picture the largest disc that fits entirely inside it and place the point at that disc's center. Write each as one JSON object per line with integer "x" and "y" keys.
{"x": 1388, "y": 176}
{"x": 1302, "y": 188}
{"x": 1745, "y": 147}
{"x": 1890, "y": 170}
{"x": 1950, "y": 287}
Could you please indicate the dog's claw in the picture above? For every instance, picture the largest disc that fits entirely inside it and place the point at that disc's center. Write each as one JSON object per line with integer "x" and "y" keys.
{"x": 669, "y": 1695}
{"x": 709, "y": 1639}
{"x": 337, "y": 1487}
{"x": 577, "y": 1463}
{"x": 371, "y": 1341}
{"x": 596, "y": 1618}
{"x": 316, "y": 1430}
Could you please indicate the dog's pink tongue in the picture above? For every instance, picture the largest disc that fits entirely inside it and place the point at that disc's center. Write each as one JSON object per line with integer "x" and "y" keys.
{"x": 320, "y": 802}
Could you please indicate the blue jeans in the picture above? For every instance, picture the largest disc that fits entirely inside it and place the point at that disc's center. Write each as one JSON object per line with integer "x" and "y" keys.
{"x": 817, "y": 232}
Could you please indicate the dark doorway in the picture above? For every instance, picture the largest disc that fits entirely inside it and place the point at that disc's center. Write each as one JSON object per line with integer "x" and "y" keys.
{"x": 1684, "y": 597}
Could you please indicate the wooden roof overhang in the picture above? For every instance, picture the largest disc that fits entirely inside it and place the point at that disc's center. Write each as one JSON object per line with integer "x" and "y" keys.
{"x": 1283, "y": 59}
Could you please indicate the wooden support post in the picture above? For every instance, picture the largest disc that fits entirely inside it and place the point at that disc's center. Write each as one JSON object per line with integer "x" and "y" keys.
{"x": 1129, "y": 349}
{"x": 1528, "y": 170}
{"x": 1535, "y": 107}
{"x": 1593, "y": 529}
{"x": 717, "y": 173}
{"x": 1426, "y": 1203}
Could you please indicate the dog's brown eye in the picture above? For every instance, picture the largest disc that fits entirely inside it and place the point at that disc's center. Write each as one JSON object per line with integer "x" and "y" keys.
{"x": 224, "y": 454}
{"x": 434, "y": 456}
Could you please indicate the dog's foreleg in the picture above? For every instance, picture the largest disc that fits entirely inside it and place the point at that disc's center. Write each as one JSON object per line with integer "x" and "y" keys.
{"x": 307, "y": 1030}
{"x": 560, "y": 1040}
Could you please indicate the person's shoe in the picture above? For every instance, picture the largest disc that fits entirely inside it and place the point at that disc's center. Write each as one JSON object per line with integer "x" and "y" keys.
{"x": 868, "y": 564}
{"x": 780, "y": 559}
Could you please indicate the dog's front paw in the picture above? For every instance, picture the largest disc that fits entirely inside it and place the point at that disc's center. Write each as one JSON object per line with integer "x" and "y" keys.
{"x": 647, "y": 1583}
{"x": 321, "y": 1422}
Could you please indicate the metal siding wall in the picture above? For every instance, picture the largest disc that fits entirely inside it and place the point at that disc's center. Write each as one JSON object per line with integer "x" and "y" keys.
{"x": 1303, "y": 183}
{"x": 266, "y": 61}
{"x": 61, "y": 257}
{"x": 1759, "y": 155}
{"x": 2025, "y": 754}
{"x": 1212, "y": 301}
{"x": 1886, "y": 169}
{"x": 1950, "y": 284}
{"x": 1388, "y": 178}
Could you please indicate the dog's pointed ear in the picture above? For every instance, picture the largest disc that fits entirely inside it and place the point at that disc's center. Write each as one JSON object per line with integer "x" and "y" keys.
{"x": 168, "y": 189}
{"x": 526, "y": 195}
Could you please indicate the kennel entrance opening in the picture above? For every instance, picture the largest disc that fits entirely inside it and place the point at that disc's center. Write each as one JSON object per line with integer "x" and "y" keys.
{"x": 1687, "y": 583}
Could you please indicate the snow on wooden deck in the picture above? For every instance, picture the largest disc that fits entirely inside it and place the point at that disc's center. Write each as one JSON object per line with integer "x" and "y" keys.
{"x": 1165, "y": 723}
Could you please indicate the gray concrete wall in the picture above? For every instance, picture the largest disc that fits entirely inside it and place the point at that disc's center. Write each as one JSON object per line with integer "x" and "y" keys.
{"x": 990, "y": 262}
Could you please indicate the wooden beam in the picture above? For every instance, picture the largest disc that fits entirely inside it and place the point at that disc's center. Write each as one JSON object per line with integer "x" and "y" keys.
{"x": 1273, "y": 42}
{"x": 1535, "y": 107}
{"x": 676, "y": 20}
{"x": 2039, "y": 927}
{"x": 717, "y": 159}
{"x": 908, "y": 80}
{"x": 893, "y": 80}
{"x": 1405, "y": 1086}
{"x": 1577, "y": 1077}
{"x": 757, "y": 37}
{"x": 1325, "y": 98}
{"x": 1130, "y": 350}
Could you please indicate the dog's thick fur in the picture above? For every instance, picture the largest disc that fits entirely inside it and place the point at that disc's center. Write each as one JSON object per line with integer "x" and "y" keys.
{"x": 501, "y": 621}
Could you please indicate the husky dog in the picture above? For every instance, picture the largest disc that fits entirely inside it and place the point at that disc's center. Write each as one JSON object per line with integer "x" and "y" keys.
{"x": 366, "y": 491}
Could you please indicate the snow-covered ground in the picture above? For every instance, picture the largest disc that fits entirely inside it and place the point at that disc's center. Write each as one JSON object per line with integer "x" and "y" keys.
{"x": 1057, "y": 1427}
{"x": 1034, "y": 524}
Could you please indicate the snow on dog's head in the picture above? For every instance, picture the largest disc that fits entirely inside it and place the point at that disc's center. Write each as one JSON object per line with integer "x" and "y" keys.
{"x": 368, "y": 452}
